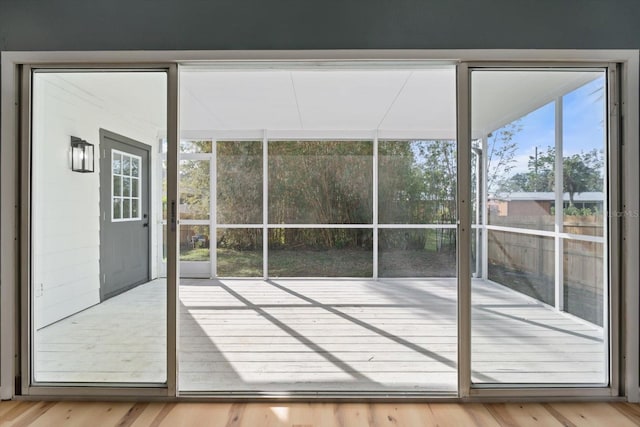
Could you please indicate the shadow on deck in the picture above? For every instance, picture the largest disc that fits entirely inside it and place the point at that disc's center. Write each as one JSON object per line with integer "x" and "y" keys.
{"x": 321, "y": 335}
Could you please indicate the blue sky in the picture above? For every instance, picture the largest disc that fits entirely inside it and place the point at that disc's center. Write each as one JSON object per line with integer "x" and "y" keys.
{"x": 584, "y": 124}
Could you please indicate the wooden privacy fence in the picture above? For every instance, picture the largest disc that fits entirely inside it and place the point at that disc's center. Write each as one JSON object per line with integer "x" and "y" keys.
{"x": 526, "y": 262}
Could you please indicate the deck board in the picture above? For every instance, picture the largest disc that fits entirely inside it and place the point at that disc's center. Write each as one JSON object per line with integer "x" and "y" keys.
{"x": 276, "y": 335}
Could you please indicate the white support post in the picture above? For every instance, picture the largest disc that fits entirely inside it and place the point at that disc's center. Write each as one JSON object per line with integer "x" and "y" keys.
{"x": 213, "y": 209}
{"x": 485, "y": 207}
{"x": 559, "y": 214}
{"x": 375, "y": 205}
{"x": 265, "y": 205}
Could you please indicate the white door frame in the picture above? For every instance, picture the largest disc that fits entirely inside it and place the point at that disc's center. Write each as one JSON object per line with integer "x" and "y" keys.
{"x": 612, "y": 307}
{"x": 20, "y": 176}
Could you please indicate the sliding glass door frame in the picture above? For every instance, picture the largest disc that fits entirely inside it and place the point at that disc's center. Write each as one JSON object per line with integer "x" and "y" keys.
{"x": 622, "y": 250}
{"x": 27, "y": 385}
{"x": 612, "y": 240}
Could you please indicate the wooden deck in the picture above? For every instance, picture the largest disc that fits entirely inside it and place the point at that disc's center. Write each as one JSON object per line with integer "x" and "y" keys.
{"x": 321, "y": 335}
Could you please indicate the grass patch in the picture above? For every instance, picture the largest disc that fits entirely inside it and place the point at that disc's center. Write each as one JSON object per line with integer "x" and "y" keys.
{"x": 417, "y": 263}
{"x": 298, "y": 263}
{"x": 329, "y": 263}
{"x": 320, "y": 263}
{"x": 198, "y": 254}
{"x": 232, "y": 263}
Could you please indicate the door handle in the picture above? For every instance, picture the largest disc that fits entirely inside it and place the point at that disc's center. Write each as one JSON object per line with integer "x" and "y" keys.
{"x": 146, "y": 224}
{"x": 173, "y": 221}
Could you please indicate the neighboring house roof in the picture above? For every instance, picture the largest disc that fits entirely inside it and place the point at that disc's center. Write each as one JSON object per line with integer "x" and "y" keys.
{"x": 587, "y": 196}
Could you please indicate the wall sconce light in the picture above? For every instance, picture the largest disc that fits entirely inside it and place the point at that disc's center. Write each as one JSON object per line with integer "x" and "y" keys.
{"x": 82, "y": 155}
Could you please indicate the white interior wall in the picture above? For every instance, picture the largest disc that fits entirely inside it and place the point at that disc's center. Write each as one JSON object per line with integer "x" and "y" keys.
{"x": 66, "y": 225}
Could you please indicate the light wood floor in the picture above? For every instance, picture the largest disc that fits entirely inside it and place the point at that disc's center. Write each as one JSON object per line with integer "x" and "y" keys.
{"x": 95, "y": 414}
{"x": 321, "y": 335}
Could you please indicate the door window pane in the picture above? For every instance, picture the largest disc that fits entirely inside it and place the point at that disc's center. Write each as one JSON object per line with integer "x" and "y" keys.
{"x": 240, "y": 332}
{"x": 135, "y": 166}
{"x": 135, "y": 184}
{"x": 117, "y": 163}
{"x": 538, "y": 318}
{"x": 98, "y": 313}
{"x": 117, "y": 208}
{"x": 126, "y": 165}
{"x": 134, "y": 208}
{"x": 124, "y": 186}
{"x": 117, "y": 186}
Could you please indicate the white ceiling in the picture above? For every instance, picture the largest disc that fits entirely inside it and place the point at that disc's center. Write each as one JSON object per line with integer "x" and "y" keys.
{"x": 420, "y": 102}
{"x": 500, "y": 97}
{"x": 136, "y": 96}
{"x": 319, "y": 100}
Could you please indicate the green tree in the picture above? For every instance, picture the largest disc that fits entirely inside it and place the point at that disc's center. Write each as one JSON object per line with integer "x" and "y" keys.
{"x": 538, "y": 178}
{"x": 581, "y": 173}
{"x": 501, "y": 150}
